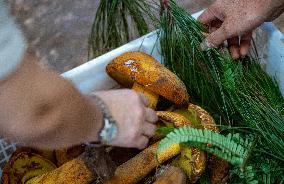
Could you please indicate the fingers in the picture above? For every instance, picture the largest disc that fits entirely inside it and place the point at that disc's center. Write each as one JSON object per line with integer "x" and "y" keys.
{"x": 142, "y": 142}
{"x": 245, "y": 44}
{"x": 149, "y": 130}
{"x": 151, "y": 116}
{"x": 234, "y": 47}
{"x": 206, "y": 17}
{"x": 144, "y": 99}
{"x": 225, "y": 32}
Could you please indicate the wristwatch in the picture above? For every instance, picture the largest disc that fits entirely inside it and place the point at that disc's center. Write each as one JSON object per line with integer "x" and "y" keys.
{"x": 109, "y": 129}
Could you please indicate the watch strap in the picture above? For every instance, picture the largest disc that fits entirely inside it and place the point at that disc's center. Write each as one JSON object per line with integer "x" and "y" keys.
{"x": 109, "y": 129}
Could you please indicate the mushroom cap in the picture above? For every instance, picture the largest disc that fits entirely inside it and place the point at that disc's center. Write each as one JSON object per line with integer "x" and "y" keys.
{"x": 23, "y": 165}
{"x": 145, "y": 70}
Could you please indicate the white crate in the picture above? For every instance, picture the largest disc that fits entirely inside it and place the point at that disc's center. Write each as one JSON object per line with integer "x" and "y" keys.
{"x": 91, "y": 76}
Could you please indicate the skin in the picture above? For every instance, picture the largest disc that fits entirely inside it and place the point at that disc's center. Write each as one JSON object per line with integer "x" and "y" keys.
{"x": 234, "y": 20}
{"x": 40, "y": 109}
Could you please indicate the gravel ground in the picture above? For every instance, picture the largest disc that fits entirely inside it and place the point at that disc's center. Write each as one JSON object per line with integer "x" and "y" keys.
{"x": 57, "y": 31}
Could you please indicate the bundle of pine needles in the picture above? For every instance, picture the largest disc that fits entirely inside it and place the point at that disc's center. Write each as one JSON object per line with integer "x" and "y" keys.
{"x": 116, "y": 23}
{"x": 238, "y": 92}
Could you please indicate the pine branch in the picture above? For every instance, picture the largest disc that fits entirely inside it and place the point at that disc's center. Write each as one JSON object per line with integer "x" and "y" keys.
{"x": 117, "y": 22}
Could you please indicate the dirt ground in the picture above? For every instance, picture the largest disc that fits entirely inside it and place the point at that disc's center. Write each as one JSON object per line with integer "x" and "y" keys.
{"x": 57, "y": 31}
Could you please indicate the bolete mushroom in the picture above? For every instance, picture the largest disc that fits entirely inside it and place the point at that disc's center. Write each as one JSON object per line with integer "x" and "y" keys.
{"x": 191, "y": 160}
{"x": 142, "y": 164}
{"x": 24, "y": 165}
{"x": 200, "y": 118}
{"x": 144, "y": 74}
{"x": 72, "y": 172}
{"x": 83, "y": 169}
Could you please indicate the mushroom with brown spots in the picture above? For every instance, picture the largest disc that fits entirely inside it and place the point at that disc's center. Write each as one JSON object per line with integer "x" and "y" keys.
{"x": 142, "y": 164}
{"x": 144, "y": 74}
{"x": 191, "y": 160}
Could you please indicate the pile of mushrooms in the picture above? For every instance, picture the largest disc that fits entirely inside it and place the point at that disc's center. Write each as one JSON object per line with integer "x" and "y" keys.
{"x": 144, "y": 74}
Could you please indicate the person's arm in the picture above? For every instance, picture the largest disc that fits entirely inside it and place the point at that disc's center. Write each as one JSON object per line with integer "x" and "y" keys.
{"x": 229, "y": 19}
{"x": 40, "y": 109}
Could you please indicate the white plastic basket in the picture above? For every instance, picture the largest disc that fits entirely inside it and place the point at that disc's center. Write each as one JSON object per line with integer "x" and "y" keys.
{"x": 91, "y": 76}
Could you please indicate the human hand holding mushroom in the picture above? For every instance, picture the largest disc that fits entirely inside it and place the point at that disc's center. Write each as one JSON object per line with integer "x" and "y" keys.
{"x": 135, "y": 121}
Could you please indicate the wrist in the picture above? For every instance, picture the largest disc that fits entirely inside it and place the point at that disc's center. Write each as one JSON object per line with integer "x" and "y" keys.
{"x": 98, "y": 121}
{"x": 107, "y": 129}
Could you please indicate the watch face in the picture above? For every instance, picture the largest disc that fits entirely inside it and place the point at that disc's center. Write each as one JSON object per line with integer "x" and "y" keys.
{"x": 109, "y": 131}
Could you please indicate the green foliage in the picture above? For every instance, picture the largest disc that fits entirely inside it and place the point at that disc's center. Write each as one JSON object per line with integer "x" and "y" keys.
{"x": 229, "y": 147}
{"x": 248, "y": 175}
{"x": 117, "y": 22}
{"x": 164, "y": 131}
{"x": 238, "y": 92}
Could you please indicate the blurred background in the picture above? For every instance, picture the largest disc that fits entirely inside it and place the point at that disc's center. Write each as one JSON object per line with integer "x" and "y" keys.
{"x": 57, "y": 31}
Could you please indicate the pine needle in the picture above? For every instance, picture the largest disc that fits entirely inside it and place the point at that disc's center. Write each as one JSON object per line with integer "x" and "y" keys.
{"x": 117, "y": 22}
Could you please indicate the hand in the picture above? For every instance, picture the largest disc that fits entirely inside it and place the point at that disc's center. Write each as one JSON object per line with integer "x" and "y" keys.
{"x": 135, "y": 121}
{"x": 235, "y": 20}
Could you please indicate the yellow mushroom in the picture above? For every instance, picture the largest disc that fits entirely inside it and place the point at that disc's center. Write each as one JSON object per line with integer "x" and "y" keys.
{"x": 204, "y": 117}
{"x": 171, "y": 175}
{"x": 144, "y": 74}
{"x": 24, "y": 165}
{"x": 73, "y": 172}
{"x": 218, "y": 168}
{"x": 82, "y": 169}
{"x": 142, "y": 164}
{"x": 191, "y": 160}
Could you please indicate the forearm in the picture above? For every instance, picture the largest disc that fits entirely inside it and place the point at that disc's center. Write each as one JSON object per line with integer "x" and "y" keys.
{"x": 40, "y": 109}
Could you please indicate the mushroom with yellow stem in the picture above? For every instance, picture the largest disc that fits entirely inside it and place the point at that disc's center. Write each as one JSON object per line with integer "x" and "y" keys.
{"x": 142, "y": 164}
{"x": 171, "y": 175}
{"x": 191, "y": 160}
{"x": 218, "y": 168}
{"x": 144, "y": 74}
{"x": 83, "y": 169}
{"x": 72, "y": 172}
{"x": 23, "y": 165}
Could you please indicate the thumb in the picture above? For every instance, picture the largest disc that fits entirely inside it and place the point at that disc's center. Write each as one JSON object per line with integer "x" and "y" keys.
{"x": 217, "y": 37}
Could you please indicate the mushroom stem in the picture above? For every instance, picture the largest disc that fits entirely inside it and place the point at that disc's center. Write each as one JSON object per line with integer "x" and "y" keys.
{"x": 142, "y": 164}
{"x": 152, "y": 97}
{"x": 94, "y": 162}
{"x": 192, "y": 161}
{"x": 74, "y": 171}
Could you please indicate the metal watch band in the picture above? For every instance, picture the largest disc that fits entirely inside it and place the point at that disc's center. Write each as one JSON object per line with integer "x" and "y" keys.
{"x": 109, "y": 129}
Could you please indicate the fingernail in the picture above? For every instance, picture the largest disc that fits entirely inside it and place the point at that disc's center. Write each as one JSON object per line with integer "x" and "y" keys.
{"x": 205, "y": 45}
